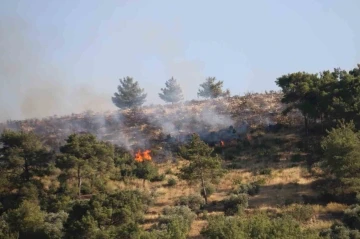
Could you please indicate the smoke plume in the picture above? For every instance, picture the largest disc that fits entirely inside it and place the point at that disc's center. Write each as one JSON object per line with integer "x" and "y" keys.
{"x": 31, "y": 87}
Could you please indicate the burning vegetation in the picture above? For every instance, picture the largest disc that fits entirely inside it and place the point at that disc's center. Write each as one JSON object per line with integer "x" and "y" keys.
{"x": 143, "y": 156}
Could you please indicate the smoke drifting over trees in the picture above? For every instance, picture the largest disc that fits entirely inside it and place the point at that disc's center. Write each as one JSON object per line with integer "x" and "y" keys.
{"x": 35, "y": 83}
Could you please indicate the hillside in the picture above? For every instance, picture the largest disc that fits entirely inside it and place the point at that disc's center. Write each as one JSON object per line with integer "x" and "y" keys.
{"x": 141, "y": 128}
{"x": 258, "y": 144}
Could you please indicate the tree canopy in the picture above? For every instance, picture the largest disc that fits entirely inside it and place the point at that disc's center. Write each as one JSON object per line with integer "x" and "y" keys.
{"x": 84, "y": 157}
{"x": 203, "y": 167}
{"x": 212, "y": 89}
{"x": 172, "y": 93}
{"x": 23, "y": 157}
{"x": 342, "y": 156}
{"x": 129, "y": 94}
{"x": 328, "y": 96}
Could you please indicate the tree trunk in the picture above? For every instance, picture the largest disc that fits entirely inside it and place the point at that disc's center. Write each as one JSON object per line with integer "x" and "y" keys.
{"x": 204, "y": 189}
{"x": 26, "y": 170}
{"x": 306, "y": 125}
{"x": 79, "y": 180}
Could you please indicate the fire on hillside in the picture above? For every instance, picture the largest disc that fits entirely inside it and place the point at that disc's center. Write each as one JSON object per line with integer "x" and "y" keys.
{"x": 143, "y": 156}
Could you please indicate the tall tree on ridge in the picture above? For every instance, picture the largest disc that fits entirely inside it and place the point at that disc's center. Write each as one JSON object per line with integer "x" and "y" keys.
{"x": 129, "y": 94}
{"x": 172, "y": 92}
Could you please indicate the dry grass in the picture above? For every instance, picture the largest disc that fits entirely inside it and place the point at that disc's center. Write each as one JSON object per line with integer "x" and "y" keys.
{"x": 330, "y": 208}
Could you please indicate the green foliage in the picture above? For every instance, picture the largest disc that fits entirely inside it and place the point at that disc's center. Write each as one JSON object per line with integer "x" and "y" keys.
{"x": 342, "y": 156}
{"x": 203, "y": 167}
{"x": 255, "y": 226}
{"x": 236, "y": 204}
{"x": 212, "y": 89}
{"x": 53, "y": 225}
{"x": 176, "y": 221}
{"x": 339, "y": 231}
{"x": 296, "y": 158}
{"x": 327, "y": 96}
{"x": 23, "y": 158}
{"x": 5, "y": 230}
{"x": 209, "y": 189}
{"x": 107, "y": 216}
{"x": 172, "y": 92}
{"x": 129, "y": 94}
{"x": 301, "y": 213}
{"x": 147, "y": 171}
{"x": 194, "y": 201}
{"x": 352, "y": 217}
{"x": 27, "y": 220}
{"x": 171, "y": 182}
{"x": 83, "y": 157}
{"x": 265, "y": 171}
{"x": 251, "y": 188}
{"x": 158, "y": 178}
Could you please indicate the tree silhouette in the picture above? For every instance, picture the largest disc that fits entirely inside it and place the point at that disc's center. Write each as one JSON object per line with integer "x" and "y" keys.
{"x": 129, "y": 94}
{"x": 172, "y": 92}
{"x": 212, "y": 89}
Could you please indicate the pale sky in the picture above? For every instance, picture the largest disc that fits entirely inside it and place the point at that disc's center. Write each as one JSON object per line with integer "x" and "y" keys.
{"x": 64, "y": 56}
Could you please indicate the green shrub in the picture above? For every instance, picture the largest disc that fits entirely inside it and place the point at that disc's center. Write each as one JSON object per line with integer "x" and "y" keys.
{"x": 158, "y": 178}
{"x": 236, "y": 204}
{"x": 250, "y": 188}
{"x": 265, "y": 171}
{"x": 169, "y": 171}
{"x": 301, "y": 213}
{"x": 231, "y": 153}
{"x": 237, "y": 181}
{"x": 256, "y": 226}
{"x": 171, "y": 182}
{"x": 176, "y": 221}
{"x": 85, "y": 188}
{"x": 295, "y": 158}
{"x": 195, "y": 202}
{"x": 339, "y": 231}
{"x": 209, "y": 188}
{"x": 352, "y": 217}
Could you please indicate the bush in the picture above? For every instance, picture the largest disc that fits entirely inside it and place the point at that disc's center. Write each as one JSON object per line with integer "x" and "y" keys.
{"x": 194, "y": 202}
{"x": 231, "y": 153}
{"x": 251, "y": 188}
{"x": 158, "y": 178}
{"x": 176, "y": 221}
{"x": 339, "y": 231}
{"x": 301, "y": 213}
{"x": 257, "y": 226}
{"x": 236, "y": 204}
{"x": 296, "y": 158}
{"x": 169, "y": 171}
{"x": 171, "y": 182}
{"x": 352, "y": 217}
{"x": 265, "y": 171}
{"x": 209, "y": 188}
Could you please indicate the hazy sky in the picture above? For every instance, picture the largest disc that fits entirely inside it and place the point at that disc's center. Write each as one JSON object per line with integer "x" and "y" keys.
{"x": 67, "y": 56}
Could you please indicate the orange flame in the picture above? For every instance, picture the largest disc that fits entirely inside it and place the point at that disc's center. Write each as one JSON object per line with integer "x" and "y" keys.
{"x": 142, "y": 156}
{"x": 222, "y": 144}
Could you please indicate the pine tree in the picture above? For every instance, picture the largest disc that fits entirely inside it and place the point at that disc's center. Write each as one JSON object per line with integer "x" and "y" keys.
{"x": 83, "y": 157}
{"x": 342, "y": 155}
{"x": 172, "y": 92}
{"x": 23, "y": 157}
{"x": 129, "y": 94}
{"x": 212, "y": 89}
{"x": 203, "y": 167}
